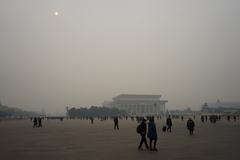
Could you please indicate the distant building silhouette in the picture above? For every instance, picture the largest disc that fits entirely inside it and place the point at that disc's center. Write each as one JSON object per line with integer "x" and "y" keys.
{"x": 140, "y": 105}
{"x": 221, "y": 107}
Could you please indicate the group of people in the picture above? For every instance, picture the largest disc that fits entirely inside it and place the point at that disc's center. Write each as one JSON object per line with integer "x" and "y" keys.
{"x": 115, "y": 120}
{"x": 215, "y": 118}
{"x": 168, "y": 127}
{"x": 149, "y": 130}
{"x": 151, "y": 134}
{"x": 234, "y": 118}
{"x": 37, "y": 122}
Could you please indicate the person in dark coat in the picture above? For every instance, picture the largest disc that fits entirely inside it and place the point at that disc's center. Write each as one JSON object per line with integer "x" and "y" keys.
{"x": 39, "y": 122}
{"x": 202, "y": 119}
{"x": 115, "y": 122}
{"x": 228, "y": 118}
{"x": 234, "y": 118}
{"x": 34, "y": 122}
{"x": 92, "y": 119}
{"x": 142, "y": 132}
{"x": 169, "y": 124}
{"x": 182, "y": 118}
{"x": 190, "y": 126}
{"x": 206, "y": 118}
{"x": 152, "y": 134}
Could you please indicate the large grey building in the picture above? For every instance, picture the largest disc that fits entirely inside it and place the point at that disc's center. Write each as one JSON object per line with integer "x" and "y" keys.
{"x": 221, "y": 107}
{"x": 139, "y": 105}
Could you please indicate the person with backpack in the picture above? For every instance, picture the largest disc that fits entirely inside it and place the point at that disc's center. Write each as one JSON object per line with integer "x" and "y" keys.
{"x": 164, "y": 128}
{"x": 142, "y": 130}
{"x": 169, "y": 124}
{"x": 152, "y": 134}
{"x": 190, "y": 126}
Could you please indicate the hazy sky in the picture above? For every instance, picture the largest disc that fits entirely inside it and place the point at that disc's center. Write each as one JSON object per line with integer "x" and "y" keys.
{"x": 186, "y": 50}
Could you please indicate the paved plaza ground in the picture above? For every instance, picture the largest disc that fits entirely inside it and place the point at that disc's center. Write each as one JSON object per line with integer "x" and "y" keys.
{"x": 81, "y": 140}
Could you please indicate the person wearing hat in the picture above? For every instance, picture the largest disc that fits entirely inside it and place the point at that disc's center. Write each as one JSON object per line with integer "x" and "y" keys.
{"x": 142, "y": 130}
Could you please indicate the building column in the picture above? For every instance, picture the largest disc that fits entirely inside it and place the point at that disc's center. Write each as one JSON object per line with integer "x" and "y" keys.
{"x": 159, "y": 108}
{"x": 156, "y": 109}
{"x": 138, "y": 110}
{"x": 143, "y": 110}
{"x": 147, "y": 109}
{"x": 135, "y": 109}
{"x": 131, "y": 109}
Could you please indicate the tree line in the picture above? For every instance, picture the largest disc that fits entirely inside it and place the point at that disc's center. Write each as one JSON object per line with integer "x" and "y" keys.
{"x": 95, "y": 111}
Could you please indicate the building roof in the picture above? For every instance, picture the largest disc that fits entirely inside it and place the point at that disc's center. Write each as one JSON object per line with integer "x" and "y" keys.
{"x": 224, "y": 105}
{"x": 137, "y": 97}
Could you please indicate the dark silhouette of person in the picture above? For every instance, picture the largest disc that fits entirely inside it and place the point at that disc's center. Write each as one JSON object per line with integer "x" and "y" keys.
{"x": 92, "y": 119}
{"x": 169, "y": 124}
{"x": 143, "y": 131}
{"x": 182, "y": 118}
{"x": 35, "y": 122}
{"x": 115, "y": 123}
{"x": 39, "y": 122}
{"x": 190, "y": 126}
{"x": 212, "y": 118}
{"x": 152, "y": 134}
{"x": 202, "y": 119}
{"x": 234, "y": 118}
{"x": 228, "y": 118}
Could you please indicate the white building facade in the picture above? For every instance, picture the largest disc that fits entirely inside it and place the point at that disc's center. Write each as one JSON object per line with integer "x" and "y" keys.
{"x": 139, "y": 105}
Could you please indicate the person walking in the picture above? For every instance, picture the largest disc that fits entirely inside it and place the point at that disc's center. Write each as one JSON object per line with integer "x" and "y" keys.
{"x": 234, "y": 118}
{"x": 190, "y": 126}
{"x": 39, "y": 122}
{"x": 34, "y": 122}
{"x": 92, "y": 119}
{"x": 202, "y": 119}
{"x": 152, "y": 134}
{"x": 142, "y": 130}
{"x": 169, "y": 124}
{"x": 228, "y": 118}
{"x": 116, "y": 123}
{"x": 182, "y": 118}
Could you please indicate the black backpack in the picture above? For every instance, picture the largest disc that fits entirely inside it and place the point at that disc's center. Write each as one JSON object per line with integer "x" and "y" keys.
{"x": 139, "y": 129}
{"x": 164, "y": 128}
